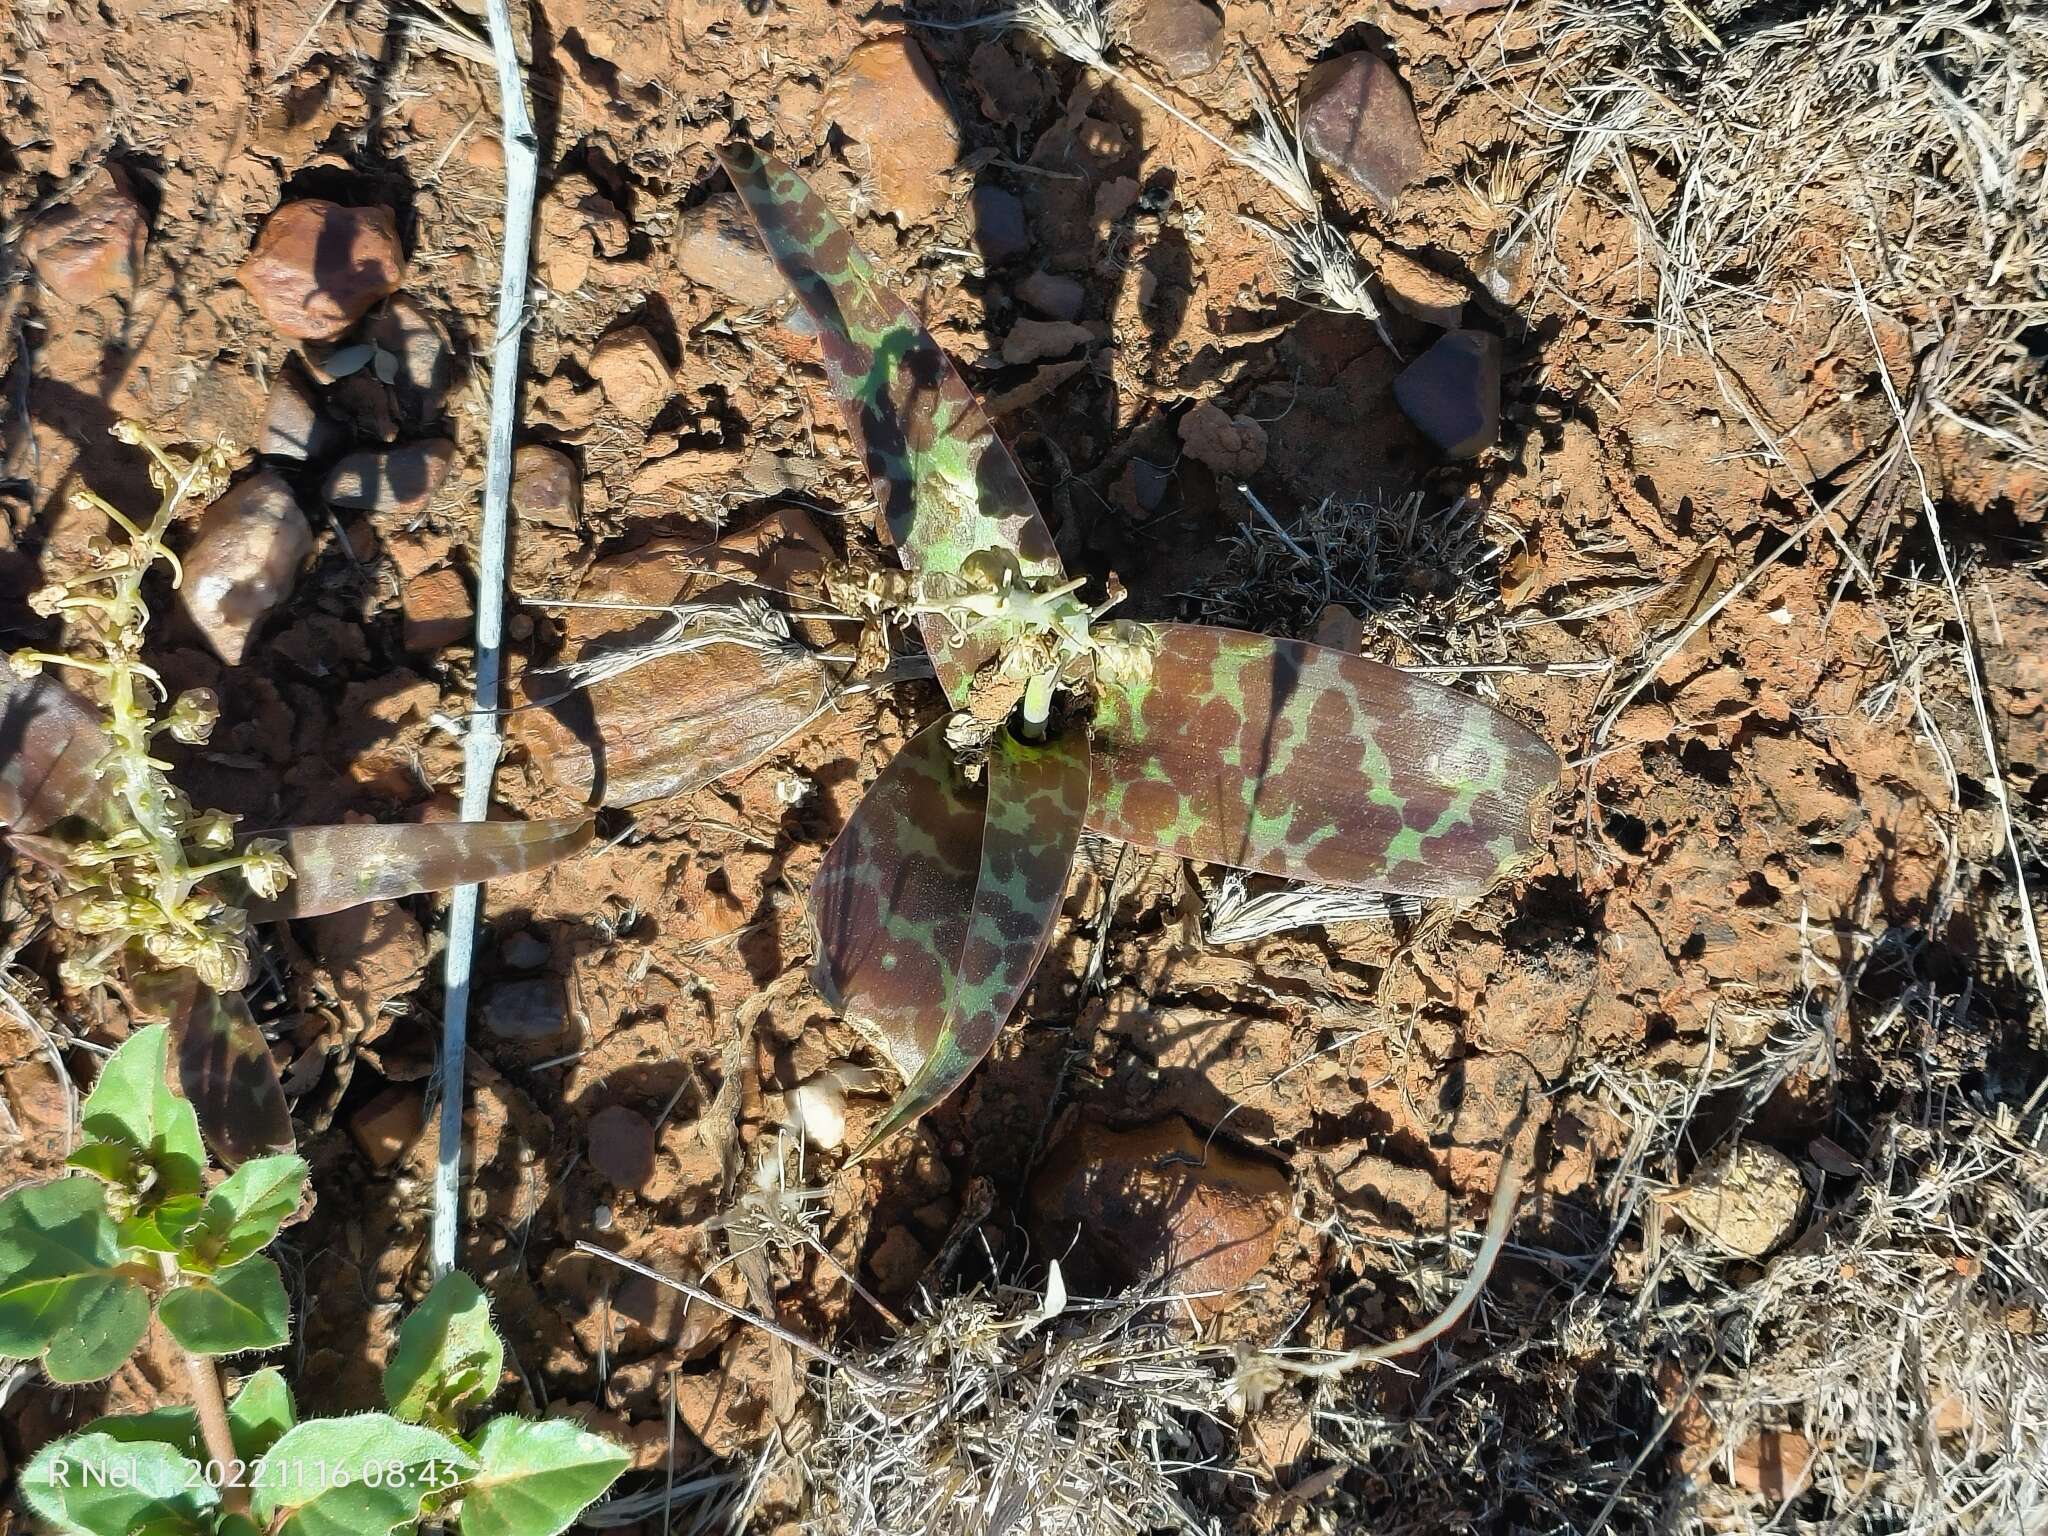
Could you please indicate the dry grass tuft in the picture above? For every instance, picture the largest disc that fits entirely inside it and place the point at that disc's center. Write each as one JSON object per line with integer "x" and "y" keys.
{"x": 1757, "y": 147}
{"x": 982, "y": 1418}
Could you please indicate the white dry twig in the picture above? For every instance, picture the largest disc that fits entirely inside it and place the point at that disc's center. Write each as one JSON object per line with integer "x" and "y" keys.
{"x": 480, "y": 743}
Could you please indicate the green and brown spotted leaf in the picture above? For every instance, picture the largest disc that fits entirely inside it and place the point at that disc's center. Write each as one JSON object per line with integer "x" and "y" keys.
{"x": 340, "y": 867}
{"x": 1299, "y": 761}
{"x": 1037, "y": 800}
{"x": 224, "y": 1066}
{"x": 890, "y": 902}
{"x": 51, "y": 747}
{"x": 946, "y": 484}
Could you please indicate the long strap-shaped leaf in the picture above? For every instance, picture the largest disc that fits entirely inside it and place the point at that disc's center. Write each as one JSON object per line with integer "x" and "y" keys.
{"x": 224, "y": 1066}
{"x": 1312, "y": 764}
{"x": 946, "y": 484}
{"x": 1037, "y": 802}
{"x": 889, "y": 905}
{"x": 51, "y": 748}
{"x": 339, "y": 867}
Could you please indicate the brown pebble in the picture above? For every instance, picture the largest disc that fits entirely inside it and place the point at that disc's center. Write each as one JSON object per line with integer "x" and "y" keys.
{"x": 386, "y": 1126}
{"x": 92, "y": 245}
{"x": 886, "y": 99}
{"x": 437, "y": 610}
{"x": 243, "y": 561}
{"x": 547, "y": 488}
{"x": 1357, "y": 118}
{"x": 317, "y": 267}
{"x": 621, "y": 1143}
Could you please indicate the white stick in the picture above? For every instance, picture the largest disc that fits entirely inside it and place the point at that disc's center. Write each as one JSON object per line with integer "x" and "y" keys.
{"x": 480, "y": 744}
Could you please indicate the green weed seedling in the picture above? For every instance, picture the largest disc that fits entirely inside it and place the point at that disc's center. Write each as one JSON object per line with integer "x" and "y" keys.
{"x": 156, "y": 895}
{"x": 86, "y": 1259}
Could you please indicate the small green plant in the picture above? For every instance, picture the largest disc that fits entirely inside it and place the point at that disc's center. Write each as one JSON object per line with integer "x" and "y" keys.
{"x": 156, "y": 895}
{"x": 84, "y": 1260}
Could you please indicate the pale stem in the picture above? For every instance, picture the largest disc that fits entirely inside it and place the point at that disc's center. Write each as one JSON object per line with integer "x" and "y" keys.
{"x": 1037, "y": 704}
{"x": 212, "y": 1409}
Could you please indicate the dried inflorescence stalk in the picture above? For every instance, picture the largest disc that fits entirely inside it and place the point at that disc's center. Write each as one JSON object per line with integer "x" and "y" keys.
{"x": 150, "y": 878}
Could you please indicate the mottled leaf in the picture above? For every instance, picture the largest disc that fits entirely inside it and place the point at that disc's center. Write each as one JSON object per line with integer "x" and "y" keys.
{"x": 1295, "y": 760}
{"x": 66, "y": 1291}
{"x": 51, "y": 747}
{"x": 261, "y": 1412}
{"x": 224, "y": 1066}
{"x": 354, "y": 1476}
{"x": 224, "y": 1314}
{"x": 96, "y": 1485}
{"x": 946, "y": 484}
{"x": 890, "y": 902}
{"x": 134, "y": 1109}
{"x": 1037, "y": 802}
{"x": 534, "y": 1479}
{"x": 448, "y": 1357}
{"x": 340, "y": 867}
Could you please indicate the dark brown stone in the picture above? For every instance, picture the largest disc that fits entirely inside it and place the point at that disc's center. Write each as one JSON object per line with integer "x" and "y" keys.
{"x": 92, "y": 245}
{"x": 621, "y": 1143}
{"x": 401, "y": 480}
{"x": 1452, "y": 393}
{"x": 1357, "y": 118}
{"x": 1183, "y": 37}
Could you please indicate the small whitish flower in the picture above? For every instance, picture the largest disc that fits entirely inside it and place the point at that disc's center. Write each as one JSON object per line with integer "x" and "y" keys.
{"x": 212, "y": 832}
{"x": 192, "y": 716}
{"x": 265, "y": 867}
{"x": 90, "y": 912}
{"x": 222, "y": 963}
{"x": 201, "y": 907}
{"x": 48, "y": 600}
{"x": 176, "y": 946}
{"x": 25, "y": 664}
{"x": 125, "y": 431}
{"x": 1123, "y": 652}
{"x": 81, "y": 972}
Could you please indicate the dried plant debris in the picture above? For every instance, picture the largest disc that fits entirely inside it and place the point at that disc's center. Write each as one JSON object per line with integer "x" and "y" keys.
{"x": 984, "y": 1417}
{"x": 1735, "y": 138}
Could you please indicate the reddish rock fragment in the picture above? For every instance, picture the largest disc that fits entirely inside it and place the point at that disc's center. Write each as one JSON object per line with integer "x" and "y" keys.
{"x": 1230, "y": 445}
{"x": 243, "y": 561}
{"x": 317, "y": 267}
{"x": 91, "y": 246}
{"x": 1357, "y": 118}
{"x": 1032, "y": 341}
{"x": 717, "y": 247}
{"x": 294, "y": 427}
{"x": 1452, "y": 393}
{"x": 629, "y": 367}
{"x": 887, "y": 100}
{"x": 437, "y": 610}
{"x": 1184, "y": 37}
{"x": 547, "y": 488}
{"x": 386, "y": 1126}
{"x": 1160, "y": 1199}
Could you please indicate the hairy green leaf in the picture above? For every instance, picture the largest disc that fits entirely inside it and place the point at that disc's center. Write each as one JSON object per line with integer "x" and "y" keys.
{"x": 357, "y": 1476}
{"x": 96, "y": 1485}
{"x": 533, "y": 1479}
{"x": 64, "y": 1291}
{"x": 1037, "y": 801}
{"x": 947, "y": 485}
{"x": 340, "y": 867}
{"x": 176, "y": 1427}
{"x": 243, "y": 1213}
{"x": 1308, "y": 763}
{"x": 161, "y": 1227}
{"x": 224, "y": 1314}
{"x": 448, "y": 1356}
{"x": 260, "y": 1414}
{"x": 133, "y": 1106}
